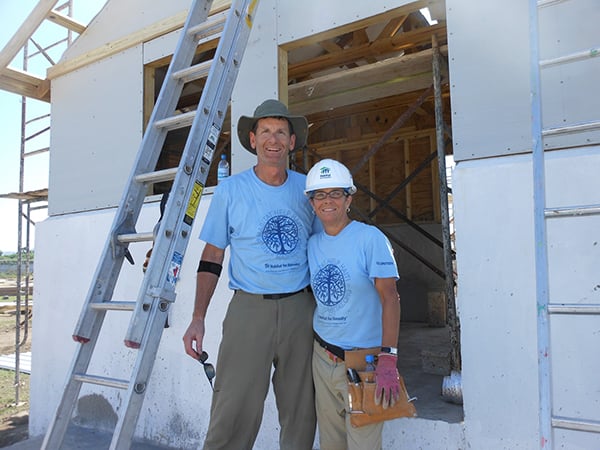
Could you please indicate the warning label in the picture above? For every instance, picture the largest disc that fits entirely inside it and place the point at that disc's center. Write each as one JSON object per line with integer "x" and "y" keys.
{"x": 192, "y": 207}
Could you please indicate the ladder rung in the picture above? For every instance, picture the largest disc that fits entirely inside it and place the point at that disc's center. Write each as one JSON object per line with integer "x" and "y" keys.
{"x": 544, "y": 3}
{"x": 101, "y": 381}
{"x": 158, "y": 176}
{"x": 194, "y": 72}
{"x": 573, "y": 308}
{"x": 582, "y": 210}
{"x": 113, "y": 306}
{"x": 136, "y": 237}
{"x": 37, "y": 152}
{"x": 213, "y": 25}
{"x": 586, "y": 126}
{"x": 577, "y": 56}
{"x": 176, "y": 122}
{"x": 576, "y": 424}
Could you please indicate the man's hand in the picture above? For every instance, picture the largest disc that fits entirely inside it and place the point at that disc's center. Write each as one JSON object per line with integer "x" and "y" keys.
{"x": 387, "y": 391}
{"x": 194, "y": 335}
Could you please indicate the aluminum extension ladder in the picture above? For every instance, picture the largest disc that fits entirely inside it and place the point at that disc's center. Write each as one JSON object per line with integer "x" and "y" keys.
{"x": 548, "y": 421}
{"x": 157, "y": 291}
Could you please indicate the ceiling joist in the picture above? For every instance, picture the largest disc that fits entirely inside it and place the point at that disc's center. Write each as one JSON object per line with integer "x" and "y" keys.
{"x": 65, "y": 21}
{"x": 393, "y": 76}
{"x": 397, "y": 43}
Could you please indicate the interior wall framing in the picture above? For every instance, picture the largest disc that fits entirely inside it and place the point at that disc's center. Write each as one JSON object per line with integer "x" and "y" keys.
{"x": 353, "y": 77}
{"x": 374, "y": 111}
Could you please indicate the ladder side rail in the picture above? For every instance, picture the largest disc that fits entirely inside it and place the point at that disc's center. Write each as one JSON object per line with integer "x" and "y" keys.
{"x": 146, "y": 357}
{"x": 540, "y": 235}
{"x": 213, "y": 106}
{"x": 132, "y": 200}
{"x": 176, "y": 226}
{"x": 57, "y": 428}
{"x": 101, "y": 290}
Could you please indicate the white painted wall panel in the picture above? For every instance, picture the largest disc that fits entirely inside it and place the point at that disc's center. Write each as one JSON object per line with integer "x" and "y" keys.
{"x": 494, "y": 240}
{"x": 568, "y": 98}
{"x": 297, "y": 20}
{"x": 257, "y": 78}
{"x": 496, "y": 301}
{"x": 96, "y": 131}
{"x": 161, "y": 47}
{"x": 575, "y": 347}
{"x": 178, "y": 400}
{"x": 568, "y": 27}
{"x": 118, "y": 19}
{"x": 574, "y": 252}
{"x": 176, "y": 407}
{"x": 489, "y": 77}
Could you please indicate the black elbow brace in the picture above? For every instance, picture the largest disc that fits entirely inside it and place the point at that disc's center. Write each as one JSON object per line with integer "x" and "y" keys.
{"x": 207, "y": 266}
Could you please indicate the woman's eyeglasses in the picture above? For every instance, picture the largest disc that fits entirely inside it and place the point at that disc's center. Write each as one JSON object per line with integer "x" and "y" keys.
{"x": 209, "y": 369}
{"x": 335, "y": 194}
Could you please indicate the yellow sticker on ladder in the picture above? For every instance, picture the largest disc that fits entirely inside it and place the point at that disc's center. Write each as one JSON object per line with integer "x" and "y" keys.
{"x": 192, "y": 207}
{"x": 251, "y": 9}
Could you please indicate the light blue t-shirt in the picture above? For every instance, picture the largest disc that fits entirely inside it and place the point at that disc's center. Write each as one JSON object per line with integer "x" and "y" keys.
{"x": 343, "y": 269}
{"x": 267, "y": 228}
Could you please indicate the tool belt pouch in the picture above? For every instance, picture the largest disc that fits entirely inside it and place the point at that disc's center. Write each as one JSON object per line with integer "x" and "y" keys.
{"x": 361, "y": 396}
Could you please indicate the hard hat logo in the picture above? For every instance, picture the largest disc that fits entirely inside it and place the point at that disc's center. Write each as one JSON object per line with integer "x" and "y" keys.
{"x": 325, "y": 172}
{"x": 329, "y": 173}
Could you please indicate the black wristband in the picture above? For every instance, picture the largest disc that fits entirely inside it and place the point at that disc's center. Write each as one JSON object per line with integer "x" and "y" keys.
{"x": 207, "y": 266}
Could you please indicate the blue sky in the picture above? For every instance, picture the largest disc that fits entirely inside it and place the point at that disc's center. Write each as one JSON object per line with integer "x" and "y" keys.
{"x": 13, "y": 14}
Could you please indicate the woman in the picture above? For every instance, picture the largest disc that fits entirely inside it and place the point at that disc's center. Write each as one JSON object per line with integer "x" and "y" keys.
{"x": 353, "y": 277}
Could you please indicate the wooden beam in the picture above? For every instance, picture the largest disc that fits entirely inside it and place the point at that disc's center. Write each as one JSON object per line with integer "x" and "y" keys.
{"x": 33, "y": 21}
{"x": 408, "y": 188}
{"x": 383, "y": 46}
{"x": 392, "y": 27}
{"x": 330, "y": 46}
{"x": 65, "y": 21}
{"x": 146, "y": 34}
{"x": 22, "y": 83}
{"x": 393, "y": 76}
{"x": 360, "y": 38}
{"x": 282, "y": 80}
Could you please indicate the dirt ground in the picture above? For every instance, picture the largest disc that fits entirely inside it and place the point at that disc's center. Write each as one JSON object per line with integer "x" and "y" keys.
{"x": 14, "y": 419}
{"x": 14, "y": 429}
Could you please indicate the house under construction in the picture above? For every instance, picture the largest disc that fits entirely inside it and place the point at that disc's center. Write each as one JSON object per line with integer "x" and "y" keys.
{"x": 499, "y": 279}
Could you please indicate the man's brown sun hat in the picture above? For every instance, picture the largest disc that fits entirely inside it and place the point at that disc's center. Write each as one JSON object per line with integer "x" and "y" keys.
{"x": 272, "y": 108}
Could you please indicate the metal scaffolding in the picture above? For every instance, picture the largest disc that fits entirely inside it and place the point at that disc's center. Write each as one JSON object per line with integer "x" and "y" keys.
{"x": 30, "y": 201}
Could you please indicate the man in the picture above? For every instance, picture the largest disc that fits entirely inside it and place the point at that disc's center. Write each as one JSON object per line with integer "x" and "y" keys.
{"x": 265, "y": 219}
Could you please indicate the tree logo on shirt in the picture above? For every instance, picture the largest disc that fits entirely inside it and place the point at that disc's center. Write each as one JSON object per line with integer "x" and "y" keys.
{"x": 329, "y": 285}
{"x": 280, "y": 235}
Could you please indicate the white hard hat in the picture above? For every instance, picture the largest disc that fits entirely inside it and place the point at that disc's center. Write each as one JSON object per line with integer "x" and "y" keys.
{"x": 329, "y": 173}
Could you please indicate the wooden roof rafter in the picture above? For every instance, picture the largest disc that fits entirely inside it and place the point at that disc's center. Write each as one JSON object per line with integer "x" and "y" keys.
{"x": 396, "y": 43}
{"x": 24, "y": 83}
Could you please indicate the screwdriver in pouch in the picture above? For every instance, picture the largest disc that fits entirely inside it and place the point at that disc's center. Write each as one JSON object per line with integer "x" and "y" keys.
{"x": 353, "y": 376}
